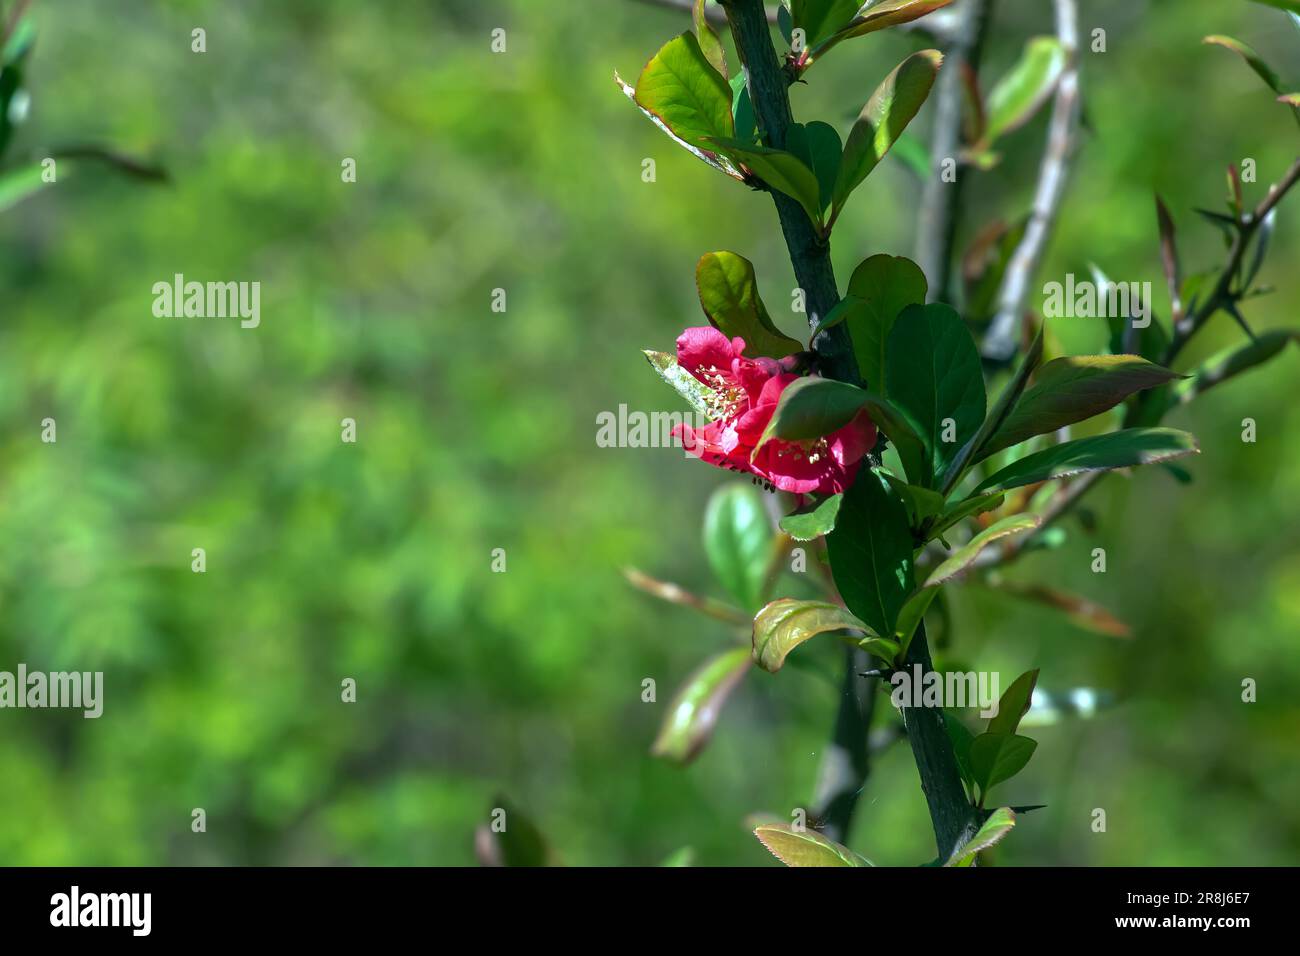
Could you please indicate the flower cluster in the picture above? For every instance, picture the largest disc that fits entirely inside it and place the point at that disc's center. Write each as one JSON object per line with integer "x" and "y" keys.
{"x": 745, "y": 394}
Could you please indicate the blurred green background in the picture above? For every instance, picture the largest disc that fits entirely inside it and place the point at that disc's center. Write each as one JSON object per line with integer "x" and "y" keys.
{"x": 476, "y": 430}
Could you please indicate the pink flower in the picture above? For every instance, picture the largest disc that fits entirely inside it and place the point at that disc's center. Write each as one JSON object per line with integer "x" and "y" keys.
{"x": 747, "y": 391}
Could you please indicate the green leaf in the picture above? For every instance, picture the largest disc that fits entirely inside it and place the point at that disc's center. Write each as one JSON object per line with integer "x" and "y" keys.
{"x": 885, "y": 285}
{"x": 819, "y": 19}
{"x": 699, "y": 396}
{"x": 933, "y": 373}
{"x": 742, "y": 110}
{"x": 1253, "y": 60}
{"x": 1074, "y": 389}
{"x": 966, "y": 508}
{"x": 814, "y": 522}
{"x": 1017, "y": 96}
{"x": 785, "y": 22}
{"x": 709, "y": 43}
{"x": 682, "y": 88}
{"x": 786, "y": 623}
{"x": 738, "y": 541}
{"x": 961, "y": 738}
{"x": 1014, "y": 704}
{"x": 910, "y": 617}
{"x": 1233, "y": 361}
{"x": 871, "y": 552}
{"x": 998, "y": 757}
{"x": 19, "y": 183}
{"x": 884, "y": 118}
{"x": 962, "y": 558}
{"x": 1121, "y": 449}
{"x": 818, "y": 146}
{"x": 693, "y": 713}
{"x": 879, "y": 16}
{"x": 999, "y": 823}
{"x": 973, "y": 450}
{"x": 812, "y": 407}
{"x": 806, "y": 847}
{"x": 729, "y": 296}
{"x": 720, "y": 163}
{"x": 784, "y": 172}
{"x": 922, "y": 503}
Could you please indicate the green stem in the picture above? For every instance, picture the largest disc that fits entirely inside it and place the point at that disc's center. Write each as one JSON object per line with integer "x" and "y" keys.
{"x": 951, "y": 813}
{"x": 810, "y": 253}
{"x": 844, "y": 767}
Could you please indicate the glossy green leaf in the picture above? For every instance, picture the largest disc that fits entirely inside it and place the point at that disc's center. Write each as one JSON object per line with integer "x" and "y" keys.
{"x": 1014, "y": 704}
{"x": 19, "y": 183}
{"x": 879, "y": 16}
{"x": 709, "y": 43}
{"x": 885, "y": 286}
{"x": 729, "y": 296}
{"x": 884, "y": 118}
{"x": 871, "y": 552}
{"x": 1253, "y": 60}
{"x": 812, "y": 407}
{"x": 783, "y": 171}
{"x": 786, "y": 623}
{"x": 933, "y": 373}
{"x": 694, "y": 710}
{"x": 1017, "y": 96}
{"x": 1121, "y": 449}
{"x": 742, "y": 110}
{"x": 682, "y": 88}
{"x": 1073, "y": 389}
{"x": 805, "y": 847}
{"x": 818, "y": 146}
{"x": 738, "y": 541}
{"x": 995, "y": 758}
{"x": 999, "y": 823}
{"x": 962, "y": 558}
{"x": 699, "y": 396}
{"x": 814, "y": 522}
{"x": 820, "y": 19}
{"x": 720, "y": 163}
